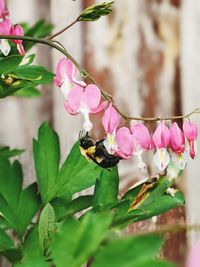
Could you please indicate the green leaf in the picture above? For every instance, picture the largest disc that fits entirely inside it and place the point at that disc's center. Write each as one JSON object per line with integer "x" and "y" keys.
{"x": 28, "y": 92}
{"x": 76, "y": 241}
{"x": 32, "y": 255}
{"x": 27, "y": 60}
{"x": 5, "y": 241}
{"x": 46, "y": 227}
{"x": 76, "y": 173}
{"x": 14, "y": 201}
{"x": 156, "y": 202}
{"x": 29, "y": 198}
{"x": 40, "y": 29}
{"x": 37, "y": 74}
{"x": 78, "y": 204}
{"x": 9, "y": 64}
{"x": 106, "y": 189}
{"x": 154, "y": 263}
{"x": 10, "y": 182}
{"x": 46, "y": 156}
{"x": 129, "y": 252}
{"x": 94, "y": 12}
{"x": 8, "y": 153}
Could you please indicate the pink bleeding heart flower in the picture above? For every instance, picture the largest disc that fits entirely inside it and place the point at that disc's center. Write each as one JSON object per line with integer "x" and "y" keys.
{"x": 3, "y": 9}
{"x": 125, "y": 143}
{"x": 141, "y": 134}
{"x": 194, "y": 256}
{"x": 142, "y": 140}
{"x": 132, "y": 142}
{"x": 66, "y": 76}
{"x": 5, "y": 29}
{"x": 161, "y": 139}
{"x": 177, "y": 145}
{"x": 191, "y": 132}
{"x": 110, "y": 121}
{"x": 85, "y": 100}
{"x": 18, "y": 31}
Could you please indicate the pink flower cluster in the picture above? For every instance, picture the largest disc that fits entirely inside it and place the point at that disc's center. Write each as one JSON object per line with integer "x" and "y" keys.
{"x": 125, "y": 142}
{"x": 7, "y": 28}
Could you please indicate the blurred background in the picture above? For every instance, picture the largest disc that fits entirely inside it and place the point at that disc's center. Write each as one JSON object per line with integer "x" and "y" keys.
{"x": 146, "y": 54}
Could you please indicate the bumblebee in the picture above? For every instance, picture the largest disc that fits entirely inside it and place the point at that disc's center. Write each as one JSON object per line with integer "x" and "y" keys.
{"x": 95, "y": 151}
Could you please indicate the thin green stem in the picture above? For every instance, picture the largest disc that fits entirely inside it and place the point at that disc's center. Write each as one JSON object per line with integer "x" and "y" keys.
{"x": 85, "y": 74}
{"x": 63, "y": 30}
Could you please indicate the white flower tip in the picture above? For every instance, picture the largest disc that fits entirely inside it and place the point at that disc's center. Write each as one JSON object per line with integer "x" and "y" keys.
{"x": 87, "y": 126}
{"x": 161, "y": 159}
{"x": 5, "y": 47}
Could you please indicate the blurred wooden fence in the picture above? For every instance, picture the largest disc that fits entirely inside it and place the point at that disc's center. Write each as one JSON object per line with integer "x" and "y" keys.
{"x": 146, "y": 54}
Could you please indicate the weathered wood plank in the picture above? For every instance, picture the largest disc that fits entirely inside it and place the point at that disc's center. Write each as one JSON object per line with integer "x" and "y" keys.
{"x": 190, "y": 65}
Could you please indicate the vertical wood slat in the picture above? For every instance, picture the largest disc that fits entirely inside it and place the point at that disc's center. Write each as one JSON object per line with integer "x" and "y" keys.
{"x": 190, "y": 65}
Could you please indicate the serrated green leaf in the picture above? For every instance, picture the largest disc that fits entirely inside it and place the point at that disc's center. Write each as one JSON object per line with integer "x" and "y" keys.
{"x": 28, "y": 92}
{"x": 106, "y": 189}
{"x": 75, "y": 249}
{"x": 46, "y": 152}
{"x": 14, "y": 201}
{"x": 37, "y": 74}
{"x": 128, "y": 252}
{"x": 9, "y": 64}
{"x": 64, "y": 209}
{"x": 76, "y": 173}
{"x": 31, "y": 253}
{"x": 29, "y": 198}
{"x": 156, "y": 202}
{"x": 46, "y": 227}
{"x": 8, "y": 153}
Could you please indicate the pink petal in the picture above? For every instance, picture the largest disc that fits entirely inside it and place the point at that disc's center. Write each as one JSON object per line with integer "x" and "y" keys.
{"x": 75, "y": 98}
{"x": 161, "y": 136}
{"x": 19, "y": 31}
{"x": 194, "y": 256}
{"x": 5, "y": 27}
{"x": 141, "y": 133}
{"x": 69, "y": 109}
{"x": 124, "y": 140}
{"x": 66, "y": 70}
{"x": 111, "y": 119}
{"x": 190, "y": 130}
{"x": 3, "y": 9}
{"x": 92, "y": 97}
{"x": 101, "y": 107}
{"x": 21, "y": 50}
{"x": 177, "y": 140}
{"x": 61, "y": 72}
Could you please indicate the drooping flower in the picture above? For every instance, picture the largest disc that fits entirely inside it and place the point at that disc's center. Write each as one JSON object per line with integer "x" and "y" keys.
{"x": 132, "y": 142}
{"x": 194, "y": 256}
{"x": 110, "y": 121}
{"x": 125, "y": 144}
{"x": 18, "y": 30}
{"x": 161, "y": 139}
{"x": 66, "y": 76}
{"x": 3, "y": 9}
{"x": 191, "y": 131}
{"x": 177, "y": 145}
{"x": 5, "y": 29}
{"x": 142, "y": 140}
{"x": 85, "y": 100}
